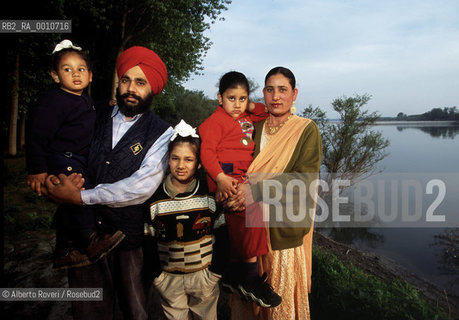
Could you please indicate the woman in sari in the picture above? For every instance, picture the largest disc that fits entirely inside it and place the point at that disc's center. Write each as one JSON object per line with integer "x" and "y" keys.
{"x": 288, "y": 150}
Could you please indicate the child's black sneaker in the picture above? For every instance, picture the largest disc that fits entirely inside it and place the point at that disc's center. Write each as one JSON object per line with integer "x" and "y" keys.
{"x": 229, "y": 284}
{"x": 260, "y": 292}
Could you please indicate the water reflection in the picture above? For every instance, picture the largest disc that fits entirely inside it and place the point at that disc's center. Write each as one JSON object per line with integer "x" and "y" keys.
{"x": 428, "y": 148}
{"x": 444, "y": 132}
{"x": 349, "y": 235}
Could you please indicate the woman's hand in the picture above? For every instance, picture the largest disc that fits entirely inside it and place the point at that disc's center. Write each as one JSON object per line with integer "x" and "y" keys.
{"x": 237, "y": 202}
{"x": 226, "y": 186}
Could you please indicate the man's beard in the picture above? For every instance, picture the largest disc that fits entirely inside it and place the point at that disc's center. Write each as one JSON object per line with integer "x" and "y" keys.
{"x": 128, "y": 110}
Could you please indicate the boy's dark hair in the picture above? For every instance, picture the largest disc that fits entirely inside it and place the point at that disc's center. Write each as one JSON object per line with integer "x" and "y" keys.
{"x": 231, "y": 80}
{"x": 56, "y": 58}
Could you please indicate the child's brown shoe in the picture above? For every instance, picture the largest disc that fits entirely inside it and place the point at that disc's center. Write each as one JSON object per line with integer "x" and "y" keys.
{"x": 70, "y": 258}
{"x": 101, "y": 244}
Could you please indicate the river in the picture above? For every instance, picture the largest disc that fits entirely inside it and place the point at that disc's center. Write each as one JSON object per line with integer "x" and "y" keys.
{"x": 430, "y": 252}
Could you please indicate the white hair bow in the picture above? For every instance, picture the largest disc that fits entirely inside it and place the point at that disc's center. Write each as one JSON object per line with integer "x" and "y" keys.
{"x": 183, "y": 129}
{"x": 65, "y": 44}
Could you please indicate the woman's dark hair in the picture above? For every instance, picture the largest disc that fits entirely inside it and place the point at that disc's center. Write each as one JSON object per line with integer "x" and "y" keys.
{"x": 231, "y": 80}
{"x": 56, "y": 58}
{"x": 195, "y": 142}
{"x": 283, "y": 71}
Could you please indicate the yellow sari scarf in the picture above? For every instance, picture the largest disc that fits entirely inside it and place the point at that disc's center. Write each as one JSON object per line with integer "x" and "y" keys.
{"x": 277, "y": 153}
{"x": 273, "y": 159}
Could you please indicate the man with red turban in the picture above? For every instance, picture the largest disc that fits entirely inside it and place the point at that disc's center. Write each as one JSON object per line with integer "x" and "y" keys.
{"x": 127, "y": 162}
{"x": 148, "y": 61}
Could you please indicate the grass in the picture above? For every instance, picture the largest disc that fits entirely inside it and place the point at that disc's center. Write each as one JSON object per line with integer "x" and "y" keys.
{"x": 23, "y": 210}
{"x": 340, "y": 291}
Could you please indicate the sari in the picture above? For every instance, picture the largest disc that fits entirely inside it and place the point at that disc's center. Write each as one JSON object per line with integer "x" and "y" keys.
{"x": 280, "y": 265}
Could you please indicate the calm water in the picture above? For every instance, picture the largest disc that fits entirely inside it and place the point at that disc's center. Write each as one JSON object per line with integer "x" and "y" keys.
{"x": 415, "y": 149}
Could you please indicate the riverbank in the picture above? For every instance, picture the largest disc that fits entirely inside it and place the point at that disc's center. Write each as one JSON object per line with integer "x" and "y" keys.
{"x": 389, "y": 271}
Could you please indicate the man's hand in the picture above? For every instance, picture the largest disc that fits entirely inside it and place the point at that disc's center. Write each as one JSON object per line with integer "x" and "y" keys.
{"x": 36, "y": 182}
{"x": 65, "y": 189}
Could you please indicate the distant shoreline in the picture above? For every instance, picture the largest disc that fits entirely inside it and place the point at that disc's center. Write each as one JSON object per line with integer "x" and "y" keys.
{"x": 411, "y": 123}
{"x": 418, "y": 122}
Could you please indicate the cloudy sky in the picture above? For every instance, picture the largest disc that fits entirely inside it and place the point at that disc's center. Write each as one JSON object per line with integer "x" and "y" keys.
{"x": 404, "y": 53}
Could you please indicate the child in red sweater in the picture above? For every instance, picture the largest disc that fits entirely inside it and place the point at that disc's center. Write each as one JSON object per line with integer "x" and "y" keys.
{"x": 226, "y": 154}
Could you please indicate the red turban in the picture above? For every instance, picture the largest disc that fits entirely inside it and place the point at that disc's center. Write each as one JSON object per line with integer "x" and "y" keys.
{"x": 150, "y": 63}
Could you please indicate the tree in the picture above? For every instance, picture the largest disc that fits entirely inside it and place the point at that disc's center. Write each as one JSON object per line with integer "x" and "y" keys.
{"x": 192, "y": 106}
{"x": 453, "y": 114}
{"x": 13, "y": 128}
{"x": 441, "y": 114}
{"x": 401, "y": 116}
{"x": 350, "y": 149}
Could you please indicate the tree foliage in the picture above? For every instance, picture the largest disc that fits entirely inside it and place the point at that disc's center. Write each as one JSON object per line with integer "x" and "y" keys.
{"x": 350, "y": 149}
{"x": 192, "y": 106}
{"x": 441, "y": 114}
{"x": 401, "y": 116}
{"x": 435, "y": 114}
{"x": 173, "y": 28}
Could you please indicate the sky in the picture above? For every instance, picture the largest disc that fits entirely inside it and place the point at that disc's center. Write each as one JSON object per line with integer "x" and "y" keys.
{"x": 404, "y": 53}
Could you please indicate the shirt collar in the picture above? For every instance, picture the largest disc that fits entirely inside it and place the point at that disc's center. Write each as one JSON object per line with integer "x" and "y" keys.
{"x": 172, "y": 192}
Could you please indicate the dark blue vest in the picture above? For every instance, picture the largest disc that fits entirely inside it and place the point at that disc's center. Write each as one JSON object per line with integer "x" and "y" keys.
{"x": 107, "y": 165}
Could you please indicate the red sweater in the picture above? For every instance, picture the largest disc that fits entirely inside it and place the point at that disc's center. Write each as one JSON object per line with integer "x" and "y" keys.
{"x": 228, "y": 141}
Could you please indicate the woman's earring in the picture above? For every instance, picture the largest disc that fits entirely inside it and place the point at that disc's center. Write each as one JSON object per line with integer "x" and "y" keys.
{"x": 293, "y": 108}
